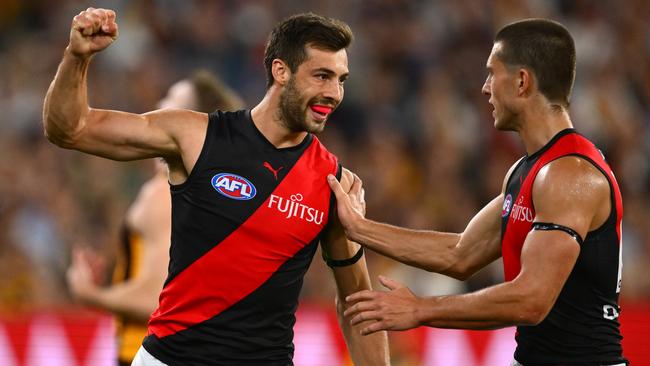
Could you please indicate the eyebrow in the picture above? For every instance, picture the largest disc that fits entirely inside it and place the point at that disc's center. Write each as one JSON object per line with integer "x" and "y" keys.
{"x": 331, "y": 73}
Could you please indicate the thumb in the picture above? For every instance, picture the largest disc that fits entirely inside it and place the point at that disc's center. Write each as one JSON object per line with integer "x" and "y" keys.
{"x": 390, "y": 283}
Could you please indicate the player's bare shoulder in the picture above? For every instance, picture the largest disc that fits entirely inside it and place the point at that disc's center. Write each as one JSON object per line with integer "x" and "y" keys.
{"x": 573, "y": 184}
{"x": 572, "y": 176}
{"x": 184, "y": 125}
{"x": 188, "y": 129}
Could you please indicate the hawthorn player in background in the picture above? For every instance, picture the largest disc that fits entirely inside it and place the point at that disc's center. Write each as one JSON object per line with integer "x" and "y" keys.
{"x": 250, "y": 200}
{"x": 143, "y": 255}
{"x": 556, "y": 223}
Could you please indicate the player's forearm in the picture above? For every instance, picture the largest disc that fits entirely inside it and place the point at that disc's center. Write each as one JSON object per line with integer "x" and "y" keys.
{"x": 364, "y": 350}
{"x": 368, "y": 350}
{"x": 429, "y": 250}
{"x": 129, "y": 300}
{"x": 66, "y": 102}
{"x": 499, "y": 306}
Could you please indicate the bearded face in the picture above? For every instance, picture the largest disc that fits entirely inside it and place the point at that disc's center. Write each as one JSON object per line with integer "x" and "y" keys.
{"x": 292, "y": 111}
{"x": 300, "y": 113}
{"x": 313, "y": 91}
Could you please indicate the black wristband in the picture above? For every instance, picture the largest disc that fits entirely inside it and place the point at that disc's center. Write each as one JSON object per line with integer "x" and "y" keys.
{"x": 333, "y": 263}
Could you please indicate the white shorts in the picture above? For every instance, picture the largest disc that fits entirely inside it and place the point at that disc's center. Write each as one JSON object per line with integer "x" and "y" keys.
{"x": 144, "y": 358}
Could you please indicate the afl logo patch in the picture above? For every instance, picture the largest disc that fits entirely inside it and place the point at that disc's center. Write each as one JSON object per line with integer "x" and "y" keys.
{"x": 507, "y": 205}
{"x": 233, "y": 186}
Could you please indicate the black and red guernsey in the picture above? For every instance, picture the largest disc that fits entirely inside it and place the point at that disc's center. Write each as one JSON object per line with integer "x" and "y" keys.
{"x": 582, "y": 328}
{"x": 245, "y": 227}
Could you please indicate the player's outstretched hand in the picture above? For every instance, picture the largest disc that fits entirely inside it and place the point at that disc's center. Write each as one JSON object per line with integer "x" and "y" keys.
{"x": 92, "y": 30}
{"x": 388, "y": 310}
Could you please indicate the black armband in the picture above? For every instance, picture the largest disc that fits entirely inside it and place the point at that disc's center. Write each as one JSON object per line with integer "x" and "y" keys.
{"x": 551, "y": 226}
{"x": 333, "y": 263}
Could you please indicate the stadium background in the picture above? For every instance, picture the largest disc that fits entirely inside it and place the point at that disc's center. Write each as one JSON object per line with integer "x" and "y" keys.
{"x": 414, "y": 126}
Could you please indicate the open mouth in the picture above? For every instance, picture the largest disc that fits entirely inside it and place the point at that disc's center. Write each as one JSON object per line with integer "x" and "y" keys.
{"x": 321, "y": 110}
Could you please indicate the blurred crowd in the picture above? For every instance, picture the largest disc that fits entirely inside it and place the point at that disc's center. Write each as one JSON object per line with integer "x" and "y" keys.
{"x": 414, "y": 124}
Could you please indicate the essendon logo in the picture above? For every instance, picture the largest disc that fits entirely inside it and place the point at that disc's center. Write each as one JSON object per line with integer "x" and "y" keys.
{"x": 233, "y": 186}
{"x": 507, "y": 205}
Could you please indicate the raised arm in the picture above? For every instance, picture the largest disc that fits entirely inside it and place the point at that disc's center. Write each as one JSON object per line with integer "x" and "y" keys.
{"x": 71, "y": 123}
{"x": 350, "y": 278}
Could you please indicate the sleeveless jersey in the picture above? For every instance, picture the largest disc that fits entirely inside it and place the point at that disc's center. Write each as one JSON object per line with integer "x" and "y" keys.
{"x": 245, "y": 227}
{"x": 582, "y": 327}
{"x": 129, "y": 333}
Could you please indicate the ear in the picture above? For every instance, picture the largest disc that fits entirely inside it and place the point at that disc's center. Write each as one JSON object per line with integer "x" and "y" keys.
{"x": 281, "y": 71}
{"x": 525, "y": 82}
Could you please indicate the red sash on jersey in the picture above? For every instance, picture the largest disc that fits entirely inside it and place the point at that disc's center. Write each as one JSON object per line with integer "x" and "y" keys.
{"x": 250, "y": 255}
{"x": 523, "y": 212}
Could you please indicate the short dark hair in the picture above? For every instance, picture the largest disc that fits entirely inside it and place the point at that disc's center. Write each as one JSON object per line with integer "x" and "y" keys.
{"x": 289, "y": 38}
{"x": 212, "y": 93}
{"x": 545, "y": 47}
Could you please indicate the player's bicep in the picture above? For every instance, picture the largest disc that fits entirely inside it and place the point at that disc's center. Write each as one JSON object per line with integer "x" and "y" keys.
{"x": 547, "y": 259}
{"x": 568, "y": 195}
{"x": 571, "y": 193}
{"x": 344, "y": 257}
{"x": 127, "y": 136}
{"x": 480, "y": 242}
{"x": 334, "y": 243}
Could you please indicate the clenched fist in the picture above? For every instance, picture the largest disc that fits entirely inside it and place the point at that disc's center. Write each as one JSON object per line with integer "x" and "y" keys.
{"x": 92, "y": 30}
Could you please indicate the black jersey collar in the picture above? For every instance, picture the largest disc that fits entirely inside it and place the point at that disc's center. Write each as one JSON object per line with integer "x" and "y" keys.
{"x": 301, "y": 145}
